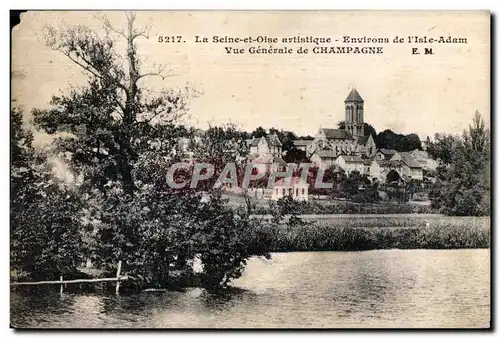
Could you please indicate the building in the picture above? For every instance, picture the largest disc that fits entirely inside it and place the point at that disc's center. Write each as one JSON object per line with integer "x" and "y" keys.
{"x": 350, "y": 164}
{"x": 296, "y": 188}
{"x": 269, "y": 144}
{"x": 411, "y": 168}
{"x": 268, "y": 163}
{"x": 348, "y": 141}
{"x": 380, "y": 170}
{"x": 385, "y": 154}
{"x": 323, "y": 159}
{"x": 425, "y": 161}
{"x": 367, "y": 163}
{"x": 302, "y": 144}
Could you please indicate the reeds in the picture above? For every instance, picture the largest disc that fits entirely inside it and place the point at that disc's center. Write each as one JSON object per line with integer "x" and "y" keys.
{"x": 391, "y": 233}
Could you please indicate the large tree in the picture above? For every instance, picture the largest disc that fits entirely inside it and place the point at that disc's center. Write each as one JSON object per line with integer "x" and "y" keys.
{"x": 124, "y": 138}
{"x": 464, "y": 183}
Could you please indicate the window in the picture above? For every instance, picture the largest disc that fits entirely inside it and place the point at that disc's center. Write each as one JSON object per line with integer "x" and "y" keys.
{"x": 284, "y": 192}
{"x": 303, "y": 191}
{"x": 297, "y": 192}
{"x": 277, "y": 191}
{"x": 290, "y": 191}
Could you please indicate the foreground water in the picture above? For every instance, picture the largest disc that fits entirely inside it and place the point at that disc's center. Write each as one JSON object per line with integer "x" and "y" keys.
{"x": 383, "y": 288}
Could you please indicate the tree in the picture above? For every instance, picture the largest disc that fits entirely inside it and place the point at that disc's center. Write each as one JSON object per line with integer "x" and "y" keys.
{"x": 295, "y": 155}
{"x": 124, "y": 138}
{"x": 259, "y": 132}
{"x": 45, "y": 213}
{"x": 443, "y": 147}
{"x": 413, "y": 142}
{"x": 464, "y": 185}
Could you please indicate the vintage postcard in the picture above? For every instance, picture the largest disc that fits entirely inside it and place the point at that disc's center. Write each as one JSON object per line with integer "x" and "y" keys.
{"x": 250, "y": 169}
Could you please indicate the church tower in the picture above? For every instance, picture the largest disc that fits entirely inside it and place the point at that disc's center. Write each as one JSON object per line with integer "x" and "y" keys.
{"x": 354, "y": 115}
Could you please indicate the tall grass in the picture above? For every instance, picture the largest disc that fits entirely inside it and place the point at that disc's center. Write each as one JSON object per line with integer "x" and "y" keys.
{"x": 453, "y": 233}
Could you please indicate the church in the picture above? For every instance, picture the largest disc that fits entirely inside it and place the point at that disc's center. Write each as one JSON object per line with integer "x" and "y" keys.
{"x": 350, "y": 141}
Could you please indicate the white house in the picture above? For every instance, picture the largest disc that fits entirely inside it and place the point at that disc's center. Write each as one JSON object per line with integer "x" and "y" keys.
{"x": 423, "y": 158}
{"x": 268, "y": 163}
{"x": 411, "y": 168}
{"x": 385, "y": 154}
{"x": 269, "y": 144}
{"x": 323, "y": 159}
{"x": 296, "y": 188}
{"x": 379, "y": 169}
{"x": 350, "y": 163}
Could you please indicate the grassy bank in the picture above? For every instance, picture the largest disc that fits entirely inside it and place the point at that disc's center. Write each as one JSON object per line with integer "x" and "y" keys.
{"x": 383, "y": 233}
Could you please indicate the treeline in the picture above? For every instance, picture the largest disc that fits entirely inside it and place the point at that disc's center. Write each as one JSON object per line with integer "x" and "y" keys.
{"x": 463, "y": 185}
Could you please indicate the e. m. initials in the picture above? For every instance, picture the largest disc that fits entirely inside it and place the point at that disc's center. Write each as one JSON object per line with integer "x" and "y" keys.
{"x": 427, "y": 51}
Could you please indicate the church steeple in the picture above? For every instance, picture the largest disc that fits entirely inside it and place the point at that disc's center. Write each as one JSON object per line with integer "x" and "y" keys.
{"x": 354, "y": 114}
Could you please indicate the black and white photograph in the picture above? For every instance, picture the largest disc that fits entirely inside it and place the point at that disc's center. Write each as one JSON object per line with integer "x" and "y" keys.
{"x": 215, "y": 169}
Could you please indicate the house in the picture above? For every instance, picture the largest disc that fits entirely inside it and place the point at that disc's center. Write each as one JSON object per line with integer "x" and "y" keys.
{"x": 380, "y": 169}
{"x": 269, "y": 144}
{"x": 350, "y": 164}
{"x": 367, "y": 163}
{"x": 411, "y": 168}
{"x": 423, "y": 158}
{"x": 294, "y": 187}
{"x": 338, "y": 140}
{"x": 366, "y": 146}
{"x": 323, "y": 158}
{"x": 268, "y": 163}
{"x": 302, "y": 144}
{"x": 385, "y": 154}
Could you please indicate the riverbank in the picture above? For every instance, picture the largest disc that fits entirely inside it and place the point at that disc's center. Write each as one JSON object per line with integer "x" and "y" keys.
{"x": 357, "y": 234}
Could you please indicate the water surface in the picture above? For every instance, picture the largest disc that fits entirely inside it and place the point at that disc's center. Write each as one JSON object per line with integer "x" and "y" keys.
{"x": 381, "y": 288}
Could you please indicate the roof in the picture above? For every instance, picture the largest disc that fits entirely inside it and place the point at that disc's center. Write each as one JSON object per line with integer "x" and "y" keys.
{"x": 280, "y": 161}
{"x": 303, "y": 143}
{"x": 289, "y": 133}
{"x": 387, "y": 163}
{"x": 272, "y": 140}
{"x": 409, "y": 160}
{"x": 294, "y": 181}
{"x": 354, "y": 96}
{"x": 363, "y": 139}
{"x": 387, "y": 151}
{"x": 355, "y": 159}
{"x": 268, "y": 159}
{"x": 339, "y": 134}
{"x": 326, "y": 153}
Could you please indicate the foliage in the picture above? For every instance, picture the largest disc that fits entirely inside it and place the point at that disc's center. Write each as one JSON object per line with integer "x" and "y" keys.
{"x": 443, "y": 147}
{"x": 123, "y": 138}
{"x": 463, "y": 187}
{"x": 45, "y": 233}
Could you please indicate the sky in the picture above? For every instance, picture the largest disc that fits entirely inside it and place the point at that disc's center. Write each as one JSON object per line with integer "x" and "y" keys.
{"x": 407, "y": 93}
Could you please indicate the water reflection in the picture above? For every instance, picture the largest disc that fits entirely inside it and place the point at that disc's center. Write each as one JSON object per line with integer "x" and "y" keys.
{"x": 394, "y": 288}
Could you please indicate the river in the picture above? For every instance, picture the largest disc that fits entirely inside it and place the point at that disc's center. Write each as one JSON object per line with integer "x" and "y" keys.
{"x": 370, "y": 289}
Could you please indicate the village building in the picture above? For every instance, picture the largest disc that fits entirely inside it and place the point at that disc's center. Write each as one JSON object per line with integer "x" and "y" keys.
{"x": 367, "y": 163}
{"x": 350, "y": 164}
{"x": 268, "y": 163}
{"x": 294, "y": 187}
{"x": 411, "y": 168}
{"x": 385, "y": 154}
{"x": 265, "y": 145}
{"x": 380, "y": 170}
{"x": 302, "y": 144}
{"x": 349, "y": 141}
{"x": 323, "y": 158}
{"x": 423, "y": 158}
